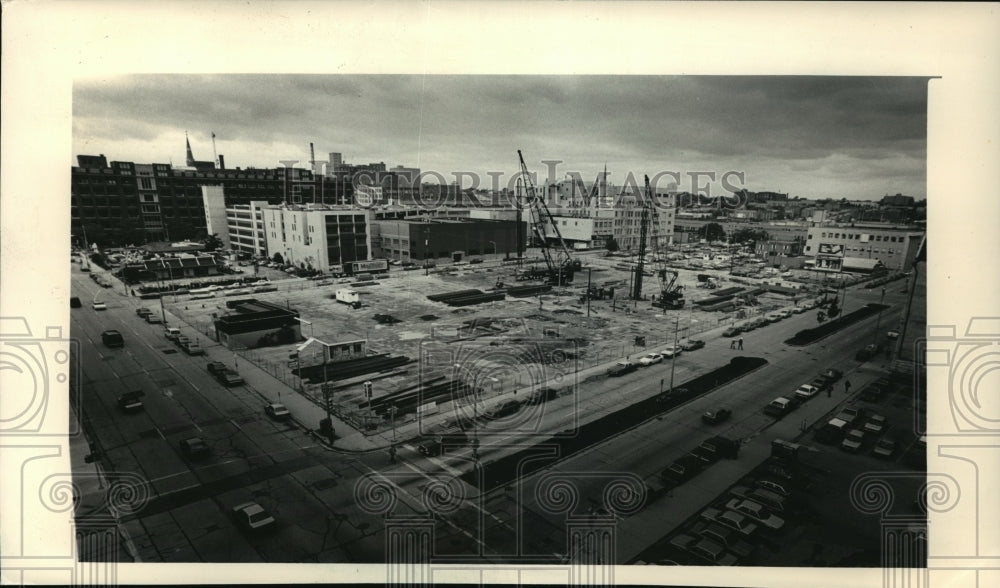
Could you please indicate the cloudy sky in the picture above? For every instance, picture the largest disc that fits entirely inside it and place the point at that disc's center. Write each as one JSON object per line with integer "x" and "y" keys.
{"x": 814, "y": 137}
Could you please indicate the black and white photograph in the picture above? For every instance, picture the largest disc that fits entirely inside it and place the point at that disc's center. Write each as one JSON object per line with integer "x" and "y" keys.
{"x": 492, "y": 325}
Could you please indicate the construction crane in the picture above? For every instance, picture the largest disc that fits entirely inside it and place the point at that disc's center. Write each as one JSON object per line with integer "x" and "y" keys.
{"x": 671, "y": 295}
{"x": 643, "y": 229}
{"x": 560, "y": 265}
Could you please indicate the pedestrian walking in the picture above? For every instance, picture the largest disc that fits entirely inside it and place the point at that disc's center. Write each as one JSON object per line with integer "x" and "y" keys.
{"x": 741, "y": 343}
{"x": 732, "y": 344}
{"x": 847, "y": 386}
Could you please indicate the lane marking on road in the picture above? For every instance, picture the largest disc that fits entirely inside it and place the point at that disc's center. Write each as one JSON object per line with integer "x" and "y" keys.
{"x": 464, "y": 502}
{"x": 235, "y": 424}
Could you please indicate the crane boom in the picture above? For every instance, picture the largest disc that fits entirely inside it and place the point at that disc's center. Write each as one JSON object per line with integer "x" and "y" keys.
{"x": 561, "y": 265}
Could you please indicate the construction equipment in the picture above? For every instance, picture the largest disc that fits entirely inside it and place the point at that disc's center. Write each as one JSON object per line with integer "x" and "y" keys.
{"x": 671, "y": 294}
{"x": 560, "y": 264}
{"x": 643, "y": 229}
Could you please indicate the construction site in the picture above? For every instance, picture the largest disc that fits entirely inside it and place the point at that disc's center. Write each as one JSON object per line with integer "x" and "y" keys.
{"x": 414, "y": 342}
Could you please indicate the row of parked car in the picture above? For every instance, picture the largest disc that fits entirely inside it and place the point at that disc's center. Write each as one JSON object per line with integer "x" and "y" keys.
{"x": 730, "y": 530}
{"x": 767, "y": 319}
{"x": 695, "y": 461}
{"x": 188, "y": 345}
{"x": 626, "y": 366}
{"x": 782, "y": 405}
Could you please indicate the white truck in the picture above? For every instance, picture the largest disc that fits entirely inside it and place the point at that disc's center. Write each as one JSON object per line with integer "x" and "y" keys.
{"x": 348, "y": 296}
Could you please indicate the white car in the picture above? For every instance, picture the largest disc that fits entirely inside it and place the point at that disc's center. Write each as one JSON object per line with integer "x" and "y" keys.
{"x": 100, "y": 306}
{"x": 805, "y": 391}
{"x": 251, "y": 515}
{"x": 650, "y": 359}
{"x": 756, "y": 512}
{"x": 672, "y": 351}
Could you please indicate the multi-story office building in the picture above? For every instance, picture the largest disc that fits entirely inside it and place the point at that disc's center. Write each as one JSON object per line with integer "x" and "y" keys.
{"x": 320, "y": 237}
{"x": 125, "y": 202}
{"x": 245, "y": 227}
{"x": 894, "y": 246}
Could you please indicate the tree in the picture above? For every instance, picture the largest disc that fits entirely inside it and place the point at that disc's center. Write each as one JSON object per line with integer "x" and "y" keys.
{"x": 213, "y": 242}
{"x": 278, "y": 258}
{"x": 751, "y": 235}
{"x": 612, "y": 245}
{"x": 712, "y": 232}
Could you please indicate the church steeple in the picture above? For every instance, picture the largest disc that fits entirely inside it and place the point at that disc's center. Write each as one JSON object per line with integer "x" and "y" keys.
{"x": 190, "y": 156}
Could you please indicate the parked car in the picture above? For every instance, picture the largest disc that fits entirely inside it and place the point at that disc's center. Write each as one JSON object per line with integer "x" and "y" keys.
{"x": 621, "y": 368}
{"x": 772, "y": 500}
{"x": 195, "y": 448}
{"x": 886, "y": 447}
{"x": 191, "y": 347}
{"x": 704, "y": 549}
{"x": 142, "y": 311}
{"x": 868, "y": 352}
{"x": 216, "y": 367}
{"x": 672, "y": 350}
{"x": 112, "y": 338}
{"x": 731, "y": 539}
{"x": 229, "y": 378}
{"x": 779, "y": 407}
{"x": 851, "y": 414}
{"x": 711, "y": 450}
{"x": 807, "y": 391}
{"x": 757, "y": 513}
{"x": 74, "y": 302}
{"x": 277, "y": 411}
{"x": 650, "y": 359}
{"x": 692, "y": 344}
{"x": 682, "y": 470}
{"x": 131, "y": 401}
{"x": 893, "y": 334}
{"x": 876, "y": 424}
{"x": 252, "y": 516}
{"x": 100, "y": 306}
{"x": 154, "y": 319}
{"x": 172, "y": 333}
{"x": 780, "y": 488}
{"x": 506, "y": 409}
{"x": 852, "y": 442}
{"x": 731, "y": 332}
{"x": 832, "y": 374}
{"x": 730, "y": 519}
{"x": 716, "y": 416}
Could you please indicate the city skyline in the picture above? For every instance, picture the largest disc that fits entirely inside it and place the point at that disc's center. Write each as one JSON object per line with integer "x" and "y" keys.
{"x": 814, "y": 137}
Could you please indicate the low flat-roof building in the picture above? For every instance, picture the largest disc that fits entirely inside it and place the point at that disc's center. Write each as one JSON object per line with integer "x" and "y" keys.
{"x": 432, "y": 238}
{"x": 894, "y": 246}
{"x": 169, "y": 268}
{"x": 254, "y": 323}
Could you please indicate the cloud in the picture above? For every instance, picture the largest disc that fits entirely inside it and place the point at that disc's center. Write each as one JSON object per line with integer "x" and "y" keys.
{"x": 781, "y": 129}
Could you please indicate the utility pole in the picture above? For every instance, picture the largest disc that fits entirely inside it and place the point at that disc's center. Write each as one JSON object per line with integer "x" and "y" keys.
{"x": 673, "y": 357}
{"x": 589, "y": 272}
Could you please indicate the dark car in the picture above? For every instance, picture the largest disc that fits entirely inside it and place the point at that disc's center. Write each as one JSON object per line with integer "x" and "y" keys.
{"x": 131, "y": 401}
{"x": 832, "y": 374}
{"x": 142, "y": 311}
{"x": 716, "y": 448}
{"x": 543, "y": 395}
{"x": 229, "y": 378}
{"x": 621, "y": 368}
{"x": 475, "y": 260}
{"x": 506, "y": 409}
{"x": 215, "y": 367}
{"x": 195, "y": 448}
{"x": 867, "y": 353}
{"x": 74, "y": 302}
{"x": 112, "y": 338}
{"x": 716, "y": 416}
{"x": 682, "y": 470}
{"x": 693, "y": 344}
{"x": 731, "y": 332}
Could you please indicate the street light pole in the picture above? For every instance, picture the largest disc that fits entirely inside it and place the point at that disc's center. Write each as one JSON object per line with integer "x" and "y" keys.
{"x": 673, "y": 356}
{"x": 589, "y": 272}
